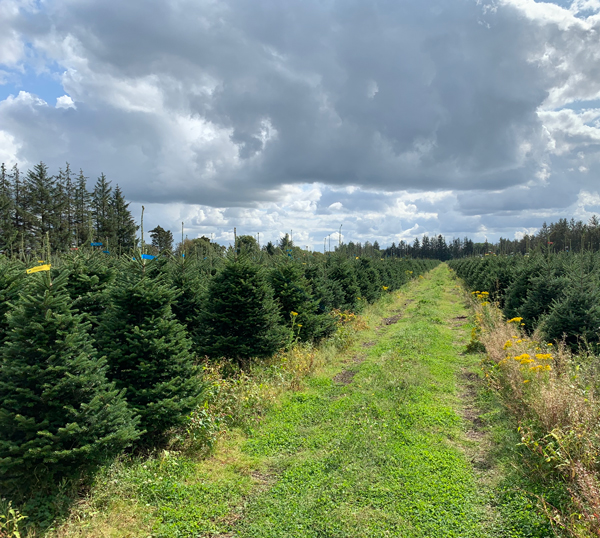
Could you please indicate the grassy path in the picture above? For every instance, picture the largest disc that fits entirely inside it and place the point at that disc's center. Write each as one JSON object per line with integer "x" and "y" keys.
{"x": 379, "y": 449}
{"x": 385, "y": 441}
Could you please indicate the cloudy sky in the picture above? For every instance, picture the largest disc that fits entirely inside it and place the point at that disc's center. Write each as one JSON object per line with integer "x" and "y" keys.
{"x": 391, "y": 118}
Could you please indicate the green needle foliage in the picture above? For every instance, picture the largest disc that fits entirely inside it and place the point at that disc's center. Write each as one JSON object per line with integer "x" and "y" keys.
{"x": 241, "y": 319}
{"x": 341, "y": 271}
{"x": 149, "y": 353}
{"x": 90, "y": 278}
{"x": 369, "y": 280}
{"x": 186, "y": 277}
{"x": 11, "y": 277}
{"x": 575, "y": 314}
{"x": 293, "y": 291}
{"x": 58, "y": 413}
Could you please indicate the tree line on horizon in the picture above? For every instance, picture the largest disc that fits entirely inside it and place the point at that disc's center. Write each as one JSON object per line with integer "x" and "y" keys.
{"x": 40, "y": 212}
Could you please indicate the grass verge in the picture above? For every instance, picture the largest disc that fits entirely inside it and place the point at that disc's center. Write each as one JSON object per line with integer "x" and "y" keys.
{"x": 550, "y": 394}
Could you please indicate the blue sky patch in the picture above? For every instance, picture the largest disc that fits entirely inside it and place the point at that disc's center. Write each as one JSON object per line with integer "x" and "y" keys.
{"x": 46, "y": 86}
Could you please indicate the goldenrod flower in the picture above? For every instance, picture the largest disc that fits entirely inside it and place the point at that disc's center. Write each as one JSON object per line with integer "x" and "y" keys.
{"x": 294, "y": 313}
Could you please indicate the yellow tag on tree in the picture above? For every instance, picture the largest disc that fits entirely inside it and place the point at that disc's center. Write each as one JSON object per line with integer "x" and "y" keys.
{"x": 38, "y": 269}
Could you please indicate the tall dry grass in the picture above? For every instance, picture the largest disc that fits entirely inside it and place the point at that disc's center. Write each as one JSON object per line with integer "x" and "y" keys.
{"x": 554, "y": 396}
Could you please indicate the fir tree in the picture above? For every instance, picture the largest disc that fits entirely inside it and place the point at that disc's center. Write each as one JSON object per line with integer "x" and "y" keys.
{"x": 575, "y": 314}
{"x": 11, "y": 279}
{"x": 342, "y": 272}
{"x": 20, "y": 211}
{"x": 294, "y": 294}
{"x": 368, "y": 280}
{"x": 240, "y": 321}
{"x": 63, "y": 234}
{"x": 89, "y": 283}
{"x": 148, "y": 353}
{"x": 58, "y": 413}
{"x": 191, "y": 285}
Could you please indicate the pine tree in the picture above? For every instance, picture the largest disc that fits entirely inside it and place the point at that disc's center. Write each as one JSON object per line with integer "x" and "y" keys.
{"x": 240, "y": 320}
{"x": 124, "y": 227}
{"x": 20, "y": 208}
{"x": 58, "y": 413}
{"x": 148, "y": 353}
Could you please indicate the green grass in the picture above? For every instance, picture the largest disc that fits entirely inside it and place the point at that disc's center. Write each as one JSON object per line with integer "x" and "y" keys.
{"x": 385, "y": 455}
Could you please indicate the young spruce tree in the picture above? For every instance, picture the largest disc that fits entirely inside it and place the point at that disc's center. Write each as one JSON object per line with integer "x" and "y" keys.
{"x": 149, "y": 352}
{"x": 58, "y": 413}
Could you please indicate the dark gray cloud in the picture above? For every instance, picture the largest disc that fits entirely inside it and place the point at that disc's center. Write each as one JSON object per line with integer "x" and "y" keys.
{"x": 231, "y": 103}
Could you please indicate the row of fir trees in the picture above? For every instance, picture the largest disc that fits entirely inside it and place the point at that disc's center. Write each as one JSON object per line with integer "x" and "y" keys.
{"x": 100, "y": 353}
{"x": 37, "y": 207}
{"x": 556, "y": 294}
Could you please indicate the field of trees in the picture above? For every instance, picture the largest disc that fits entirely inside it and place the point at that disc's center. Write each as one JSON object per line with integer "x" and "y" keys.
{"x": 122, "y": 339}
{"x": 118, "y": 349}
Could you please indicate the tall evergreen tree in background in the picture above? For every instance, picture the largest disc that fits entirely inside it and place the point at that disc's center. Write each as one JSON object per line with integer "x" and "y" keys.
{"x": 102, "y": 213}
{"x": 44, "y": 206}
{"x": 82, "y": 212}
{"x": 162, "y": 240}
{"x": 63, "y": 235}
{"x": 61, "y": 209}
{"x": 8, "y": 233}
{"x": 19, "y": 212}
{"x": 124, "y": 227}
{"x": 58, "y": 413}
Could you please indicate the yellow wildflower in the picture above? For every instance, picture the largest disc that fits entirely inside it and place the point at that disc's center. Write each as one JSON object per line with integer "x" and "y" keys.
{"x": 294, "y": 313}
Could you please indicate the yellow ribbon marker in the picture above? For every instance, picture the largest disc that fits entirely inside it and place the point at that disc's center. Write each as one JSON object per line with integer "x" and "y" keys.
{"x": 38, "y": 269}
